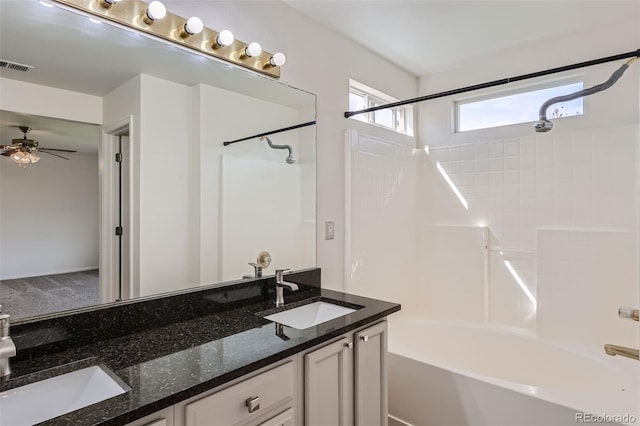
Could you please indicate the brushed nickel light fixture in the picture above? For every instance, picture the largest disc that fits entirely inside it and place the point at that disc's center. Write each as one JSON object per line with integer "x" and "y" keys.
{"x": 153, "y": 19}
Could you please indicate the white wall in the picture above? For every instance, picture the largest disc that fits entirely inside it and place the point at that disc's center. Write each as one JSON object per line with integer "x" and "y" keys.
{"x": 27, "y": 98}
{"x": 253, "y": 175}
{"x": 123, "y": 104}
{"x": 319, "y": 61}
{"x": 35, "y": 99}
{"x": 561, "y": 207}
{"x": 165, "y": 128}
{"x": 382, "y": 216}
{"x": 49, "y": 216}
{"x": 177, "y": 137}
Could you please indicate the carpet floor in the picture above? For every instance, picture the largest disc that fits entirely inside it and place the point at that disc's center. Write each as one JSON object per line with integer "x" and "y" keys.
{"x": 31, "y": 296}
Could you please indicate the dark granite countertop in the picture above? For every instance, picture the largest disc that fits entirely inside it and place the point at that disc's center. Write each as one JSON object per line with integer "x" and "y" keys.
{"x": 173, "y": 362}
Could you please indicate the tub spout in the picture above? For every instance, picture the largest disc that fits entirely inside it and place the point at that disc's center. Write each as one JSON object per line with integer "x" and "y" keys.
{"x": 621, "y": 350}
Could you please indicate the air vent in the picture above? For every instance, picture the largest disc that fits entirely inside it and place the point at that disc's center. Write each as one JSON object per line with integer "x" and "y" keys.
{"x": 14, "y": 66}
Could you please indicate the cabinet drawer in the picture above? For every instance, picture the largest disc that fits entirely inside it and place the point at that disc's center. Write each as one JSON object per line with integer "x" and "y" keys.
{"x": 282, "y": 419}
{"x": 245, "y": 400}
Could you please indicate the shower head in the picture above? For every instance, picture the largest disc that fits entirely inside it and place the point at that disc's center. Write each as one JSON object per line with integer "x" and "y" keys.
{"x": 543, "y": 126}
{"x": 290, "y": 158}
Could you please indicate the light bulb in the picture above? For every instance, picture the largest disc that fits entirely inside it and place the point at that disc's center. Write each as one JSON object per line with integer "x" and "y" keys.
{"x": 278, "y": 59}
{"x": 253, "y": 49}
{"x": 20, "y": 157}
{"x": 225, "y": 38}
{"x": 155, "y": 12}
{"x": 193, "y": 26}
{"x": 33, "y": 157}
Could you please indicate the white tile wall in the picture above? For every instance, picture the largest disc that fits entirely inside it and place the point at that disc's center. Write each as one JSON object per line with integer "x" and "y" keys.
{"x": 382, "y": 239}
{"x": 583, "y": 277}
{"x": 576, "y": 183}
{"x": 581, "y": 179}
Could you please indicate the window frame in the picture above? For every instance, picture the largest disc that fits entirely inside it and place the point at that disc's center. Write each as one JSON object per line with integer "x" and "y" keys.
{"x": 522, "y": 89}
{"x": 373, "y": 97}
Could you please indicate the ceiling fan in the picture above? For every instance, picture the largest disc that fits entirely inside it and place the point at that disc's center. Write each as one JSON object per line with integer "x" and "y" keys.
{"x": 24, "y": 151}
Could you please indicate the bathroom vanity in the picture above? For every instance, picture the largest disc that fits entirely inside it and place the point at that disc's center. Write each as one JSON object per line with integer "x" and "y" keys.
{"x": 313, "y": 387}
{"x": 209, "y": 357}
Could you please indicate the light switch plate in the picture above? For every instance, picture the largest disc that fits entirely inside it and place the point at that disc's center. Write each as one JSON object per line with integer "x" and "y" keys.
{"x": 329, "y": 230}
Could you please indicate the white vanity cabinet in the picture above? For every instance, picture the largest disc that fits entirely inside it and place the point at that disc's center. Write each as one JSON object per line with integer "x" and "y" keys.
{"x": 159, "y": 418}
{"x": 345, "y": 381}
{"x": 264, "y": 399}
{"x": 339, "y": 383}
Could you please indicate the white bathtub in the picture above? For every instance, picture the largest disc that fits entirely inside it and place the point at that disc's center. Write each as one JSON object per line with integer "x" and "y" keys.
{"x": 458, "y": 374}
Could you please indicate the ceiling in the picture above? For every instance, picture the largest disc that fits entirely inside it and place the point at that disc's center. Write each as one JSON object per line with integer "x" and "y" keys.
{"x": 70, "y": 51}
{"x": 428, "y": 36}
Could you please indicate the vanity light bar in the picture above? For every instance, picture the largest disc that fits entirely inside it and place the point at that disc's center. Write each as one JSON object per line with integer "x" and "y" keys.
{"x": 135, "y": 14}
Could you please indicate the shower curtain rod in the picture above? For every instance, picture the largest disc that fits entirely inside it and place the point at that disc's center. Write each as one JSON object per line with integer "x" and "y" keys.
{"x": 497, "y": 82}
{"x": 284, "y": 129}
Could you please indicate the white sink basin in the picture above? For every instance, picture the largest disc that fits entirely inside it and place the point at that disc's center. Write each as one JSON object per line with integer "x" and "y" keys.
{"x": 309, "y": 315}
{"x": 46, "y": 399}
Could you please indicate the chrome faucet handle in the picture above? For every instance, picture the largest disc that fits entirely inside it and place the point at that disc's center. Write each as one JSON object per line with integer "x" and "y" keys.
{"x": 257, "y": 269}
{"x": 4, "y": 325}
{"x": 629, "y": 313}
{"x": 279, "y": 274}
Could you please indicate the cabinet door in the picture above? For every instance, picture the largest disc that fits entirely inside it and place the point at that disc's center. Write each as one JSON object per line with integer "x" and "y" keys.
{"x": 282, "y": 419}
{"x": 371, "y": 376}
{"x": 161, "y": 418}
{"x": 327, "y": 373}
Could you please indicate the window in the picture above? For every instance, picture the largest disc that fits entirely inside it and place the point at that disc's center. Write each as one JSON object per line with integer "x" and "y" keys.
{"x": 399, "y": 119}
{"x": 521, "y": 107}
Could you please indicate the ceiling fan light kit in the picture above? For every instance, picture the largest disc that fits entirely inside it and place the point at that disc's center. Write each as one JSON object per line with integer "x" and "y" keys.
{"x": 25, "y": 151}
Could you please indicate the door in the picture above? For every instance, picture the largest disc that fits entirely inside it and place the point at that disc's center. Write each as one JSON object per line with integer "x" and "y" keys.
{"x": 328, "y": 385}
{"x": 371, "y": 376}
{"x": 123, "y": 217}
{"x": 116, "y": 223}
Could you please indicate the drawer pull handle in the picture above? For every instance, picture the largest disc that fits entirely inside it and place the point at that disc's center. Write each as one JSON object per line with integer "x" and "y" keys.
{"x": 348, "y": 345}
{"x": 253, "y": 404}
{"x": 364, "y": 338}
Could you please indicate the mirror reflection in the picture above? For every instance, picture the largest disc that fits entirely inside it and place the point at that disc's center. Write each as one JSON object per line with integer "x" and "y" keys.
{"x": 147, "y": 199}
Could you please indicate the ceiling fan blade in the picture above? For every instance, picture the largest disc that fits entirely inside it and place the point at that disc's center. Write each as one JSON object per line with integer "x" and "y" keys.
{"x": 40, "y": 148}
{"x": 56, "y": 155}
{"x": 8, "y": 153}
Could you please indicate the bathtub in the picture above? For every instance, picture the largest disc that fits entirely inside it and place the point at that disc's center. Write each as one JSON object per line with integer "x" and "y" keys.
{"x": 456, "y": 374}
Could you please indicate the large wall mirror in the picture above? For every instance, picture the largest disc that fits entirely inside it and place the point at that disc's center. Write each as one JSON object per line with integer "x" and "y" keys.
{"x": 192, "y": 211}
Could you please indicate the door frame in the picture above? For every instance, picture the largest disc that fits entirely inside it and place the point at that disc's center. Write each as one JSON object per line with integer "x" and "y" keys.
{"x": 108, "y": 212}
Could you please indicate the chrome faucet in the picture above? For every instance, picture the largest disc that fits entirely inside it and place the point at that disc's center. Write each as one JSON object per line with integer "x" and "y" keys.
{"x": 7, "y": 348}
{"x": 280, "y": 285}
{"x": 613, "y": 350}
{"x": 257, "y": 271}
{"x": 622, "y": 351}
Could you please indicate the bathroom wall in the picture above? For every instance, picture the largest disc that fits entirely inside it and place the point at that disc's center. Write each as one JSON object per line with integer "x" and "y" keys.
{"x": 549, "y": 242}
{"x": 382, "y": 215}
{"x": 28, "y": 98}
{"x": 34, "y": 216}
{"x": 319, "y": 61}
{"x": 198, "y": 220}
{"x": 49, "y": 216}
{"x": 160, "y": 112}
{"x": 236, "y": 178}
